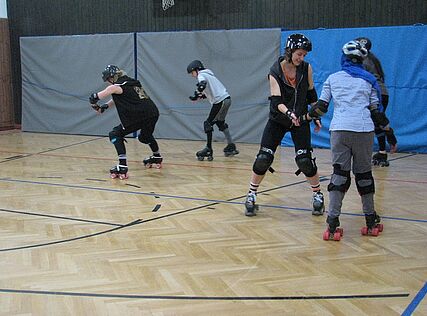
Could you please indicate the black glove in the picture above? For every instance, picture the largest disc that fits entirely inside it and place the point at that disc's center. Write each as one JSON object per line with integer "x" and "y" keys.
{"x": 197, "y": 95}
{"x": 303, "y": 118}
{"x": 101, "y": 108}
{"x": 93, "y": 99}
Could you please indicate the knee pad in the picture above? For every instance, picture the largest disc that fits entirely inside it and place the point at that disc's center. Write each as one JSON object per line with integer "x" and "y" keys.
{"x": 207, "y": 127}
{"x": 263, "y": 161}
{"x": 115, "y": 136}
{"x": 222, "y": 126}
{"x": 365, "y": 183}
{"x": 145, "y": 139}
{"x": 306, "y": 164}
{"x": 340, "y": 180}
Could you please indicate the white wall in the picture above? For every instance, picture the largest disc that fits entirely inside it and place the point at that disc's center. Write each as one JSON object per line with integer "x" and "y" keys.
{"x": 3, "y": 9}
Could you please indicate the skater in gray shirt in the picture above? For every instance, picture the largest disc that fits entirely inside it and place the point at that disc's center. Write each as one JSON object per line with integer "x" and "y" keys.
{"x": 210, "y": 88}
{"x": 356, "y": 96}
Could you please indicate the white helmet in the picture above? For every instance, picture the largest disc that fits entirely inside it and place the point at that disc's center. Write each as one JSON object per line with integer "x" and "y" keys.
{"x": 355, "y": 50}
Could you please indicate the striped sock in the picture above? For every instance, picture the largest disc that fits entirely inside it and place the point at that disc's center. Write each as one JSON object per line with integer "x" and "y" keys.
{"x": 123, "y": 160}
{"x": 316, "y": 187}
{"x": 253, "y": 188}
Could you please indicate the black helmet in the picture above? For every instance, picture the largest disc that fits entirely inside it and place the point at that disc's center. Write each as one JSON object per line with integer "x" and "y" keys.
{"x": 296, "y": 41}
{"x": 365, "y": 42}
{"x": 109, "y": 71}
{"x": 355, "y": 51}
{"x": 195, "y": 65}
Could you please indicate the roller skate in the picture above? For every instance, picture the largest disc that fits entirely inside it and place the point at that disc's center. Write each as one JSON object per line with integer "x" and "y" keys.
{"x": 230, "y": 150}
{"x": 205, "y": 152}
{"x": 333, "y": 232}
{"x": 119, "y": 171}
{"x": 373, "y": 226}
{"x": 250, "y": 205}
{"x": 153, "y": 161}
{"x": 318, "y": 203}
{"x": 380, "y": 159}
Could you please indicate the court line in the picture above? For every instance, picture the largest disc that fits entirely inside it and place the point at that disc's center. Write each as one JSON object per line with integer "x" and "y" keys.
{"x": 209, "y": 298}
{"x": 416, "y": 301}
{"x": 59, "y": 217}
{"x": 229, "y": 201}
{"x": 72, "y": 239}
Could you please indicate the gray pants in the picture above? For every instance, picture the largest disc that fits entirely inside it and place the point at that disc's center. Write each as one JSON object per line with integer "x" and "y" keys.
{"x": 350, "y": 151}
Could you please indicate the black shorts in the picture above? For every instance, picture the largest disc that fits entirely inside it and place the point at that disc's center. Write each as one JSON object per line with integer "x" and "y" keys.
{"x": 146, "y": 126}
{"x": 274, "y": 133}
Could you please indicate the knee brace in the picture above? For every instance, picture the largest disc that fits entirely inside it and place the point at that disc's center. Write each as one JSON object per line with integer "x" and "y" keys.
{"x": 365, "y": 183}
{"x": 306, "y": 164}
{"x": 207, "y": 127}
{"x": 222, "y": 126}
{"x": 263, "y": 161}
{"x": 340, "y": 180}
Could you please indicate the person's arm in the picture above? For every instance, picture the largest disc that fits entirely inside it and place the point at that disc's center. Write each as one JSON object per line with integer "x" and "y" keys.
{"x": 95, "y": 97}
{"x": 312, "y": 98}
{"x": 276, "y": 101}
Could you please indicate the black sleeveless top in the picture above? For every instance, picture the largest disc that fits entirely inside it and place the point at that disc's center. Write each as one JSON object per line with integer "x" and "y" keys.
{"x": 295, "y": 99}
{"x": 133, "y": 105}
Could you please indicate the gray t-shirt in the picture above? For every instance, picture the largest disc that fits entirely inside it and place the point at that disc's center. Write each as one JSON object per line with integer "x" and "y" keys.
{"x": 215, "y": 90}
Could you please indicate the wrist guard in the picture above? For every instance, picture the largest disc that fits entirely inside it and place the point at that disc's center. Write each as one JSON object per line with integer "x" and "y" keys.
{"x": 319, "y": 109}
{"x": 289, "y": 113}
{"x": 93, "y": 99}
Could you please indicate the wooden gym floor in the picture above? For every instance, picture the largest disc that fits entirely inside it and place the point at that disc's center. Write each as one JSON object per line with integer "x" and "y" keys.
{"x": 175, "y": 241}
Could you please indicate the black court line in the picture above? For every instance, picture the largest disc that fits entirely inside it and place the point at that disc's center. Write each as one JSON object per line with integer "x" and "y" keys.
{"x": 49, "y": 150}
{"x": 72, "y": 239}
{"x": 211, "y": 298}
{"x": 59, "y": 217}
{"x": 402, "y": 157}
{"x": 229, "y": 201}
{"x": 156, "y": 208}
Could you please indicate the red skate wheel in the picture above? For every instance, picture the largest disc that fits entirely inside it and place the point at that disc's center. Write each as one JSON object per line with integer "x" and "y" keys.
{"x": 337, "y": 236}
{"x": 326, "y": 235}
{"x": 375, "y": 232}
{"x": 364, "y": 231}
{"x": 113, "y": 175}
{"x": 380, "y": 227}
{"x": 341, "y": 231}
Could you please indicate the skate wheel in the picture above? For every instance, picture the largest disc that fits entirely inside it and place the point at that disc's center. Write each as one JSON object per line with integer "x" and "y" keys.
{"x": 375, "y": 232}
{"x": 113, "y": 175}
{"x": 364, "y": 231}
{"x": 210, "y": 158}
{"x": 199, "y": 158}
{"x": 158, "y": 166}
{"x": 123, "y": 176}
{"x": 341, "y": 231}
{"x": 380, "y": 227}
{"x": 326, "y": 235}
{"x": 337, "y": 236}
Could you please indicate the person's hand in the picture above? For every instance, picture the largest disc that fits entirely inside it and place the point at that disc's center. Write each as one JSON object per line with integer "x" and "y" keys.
{"x": 317, "y": 125}
{"x": 291, "y": 115}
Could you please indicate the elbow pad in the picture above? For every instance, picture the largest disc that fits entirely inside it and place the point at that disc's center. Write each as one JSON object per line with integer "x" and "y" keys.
{"x": 201, "y": 85}
{"x": 93, "y": 99}
{"x": 379, "y": 118}
{"x": 311, "y": 96}
{"x": 275, "y": 100}
{"x": 319, "y": 109}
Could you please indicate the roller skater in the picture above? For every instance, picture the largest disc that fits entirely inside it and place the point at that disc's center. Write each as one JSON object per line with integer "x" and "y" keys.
{"x": 205, "y": 153}
{"x": 291, "y": 88}
{"x": 372, "y": 64}
{"x": 250, "y": 205}
{"x": 120, "y": 172}
{"x": 136, "y": 112}
{"x": 380, "y": 159}
{"x": 208, "y": 86}
{"x": 153, "y": 161}
{"x": 318, "y": 204}
{"x": 373, "y": 226}
{"x": 356, "y": 98}
{"x": 333, "y": 231}
{"x": 230, "y": 150}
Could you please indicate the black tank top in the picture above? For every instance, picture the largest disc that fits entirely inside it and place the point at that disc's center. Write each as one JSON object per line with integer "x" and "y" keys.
{"x": 133, "y": 105}
{"x": 295, "y": 99}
